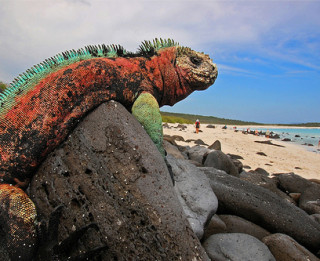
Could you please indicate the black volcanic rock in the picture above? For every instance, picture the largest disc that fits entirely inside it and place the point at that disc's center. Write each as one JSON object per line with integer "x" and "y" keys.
{"x": 199, "y": 142}
{"x": 235, "y": 224}
{"x": 309, "y": 200}
{"x": 198, "y": 153}
{"x": 268, "y": 142}
{"x": 217, "y": 159}
{"x": 285, "y": 248}
{"x": 260, "y": 178}
{"x": 109, "y": 172}
{"x": 215, "y": 146}
{"x": 292, "y": 183}
{"x": 263, "y": 208}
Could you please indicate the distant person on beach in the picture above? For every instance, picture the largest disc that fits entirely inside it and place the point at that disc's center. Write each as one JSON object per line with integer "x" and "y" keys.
{"x": 224, "y": 127}
{"x": 267, "y": 134}
{"x": 197, "y": 124}
{"x": 319, "y": 143}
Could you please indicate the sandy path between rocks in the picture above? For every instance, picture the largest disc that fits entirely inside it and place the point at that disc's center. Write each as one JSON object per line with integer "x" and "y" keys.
{"x": 290, "y": 158}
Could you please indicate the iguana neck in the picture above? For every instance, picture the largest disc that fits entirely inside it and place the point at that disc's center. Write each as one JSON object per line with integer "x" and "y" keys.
{"x": 175, "y": 80}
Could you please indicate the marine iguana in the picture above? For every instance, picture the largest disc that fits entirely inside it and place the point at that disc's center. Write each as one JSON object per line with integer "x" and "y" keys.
{"x": 44, "y": 104}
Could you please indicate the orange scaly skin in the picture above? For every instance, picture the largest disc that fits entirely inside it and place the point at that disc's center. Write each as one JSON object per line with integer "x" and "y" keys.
{"x": 41, "y": 119}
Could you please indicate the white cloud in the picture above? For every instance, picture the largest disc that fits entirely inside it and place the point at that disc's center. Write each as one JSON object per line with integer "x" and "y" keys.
{"x": 34, "y": 30}
{"x": 236, "y": 71}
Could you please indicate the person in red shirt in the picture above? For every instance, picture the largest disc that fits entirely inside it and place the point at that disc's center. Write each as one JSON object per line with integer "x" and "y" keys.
{"x": 197, "y": 124}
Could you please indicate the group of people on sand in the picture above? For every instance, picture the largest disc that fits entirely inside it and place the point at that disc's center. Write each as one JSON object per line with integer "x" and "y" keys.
{"x": 257, "y": 133}
{"x": 267, "y": 134}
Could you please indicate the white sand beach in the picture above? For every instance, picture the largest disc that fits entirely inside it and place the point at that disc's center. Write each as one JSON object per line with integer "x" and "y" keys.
{"x": 290, "y": 158}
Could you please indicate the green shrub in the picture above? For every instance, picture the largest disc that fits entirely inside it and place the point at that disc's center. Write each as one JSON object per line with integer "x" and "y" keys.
{"x": 3, "y": 86}
{"x": 173, "y": 119}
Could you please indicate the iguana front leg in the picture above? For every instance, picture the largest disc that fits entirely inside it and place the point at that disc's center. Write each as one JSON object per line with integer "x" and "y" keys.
{"x": 147, "y": 112}
{"x": 18, "y": 222}
{"x": 24, "y": 239}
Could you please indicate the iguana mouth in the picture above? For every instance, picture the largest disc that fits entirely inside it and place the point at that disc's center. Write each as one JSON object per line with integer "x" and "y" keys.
{"x": 207, "y": 78}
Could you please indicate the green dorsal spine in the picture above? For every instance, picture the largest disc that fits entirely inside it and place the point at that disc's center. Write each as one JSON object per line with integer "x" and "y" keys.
{"x": 25, "y": 81}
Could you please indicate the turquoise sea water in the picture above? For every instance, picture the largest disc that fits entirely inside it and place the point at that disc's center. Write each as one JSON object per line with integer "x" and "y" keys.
{"x": 307, "y": 135}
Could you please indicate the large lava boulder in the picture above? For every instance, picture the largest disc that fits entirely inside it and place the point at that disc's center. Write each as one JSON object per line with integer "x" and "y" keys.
{"x": 109, "y": 172}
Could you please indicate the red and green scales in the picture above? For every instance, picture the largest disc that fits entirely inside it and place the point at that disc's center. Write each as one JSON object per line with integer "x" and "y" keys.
{"x": 43, "y": 105}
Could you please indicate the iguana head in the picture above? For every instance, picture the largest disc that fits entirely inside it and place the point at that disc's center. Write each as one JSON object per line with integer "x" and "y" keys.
{"x": 192, "y": 71}
{"x": 183, "y": 70}
{"x": 196, "y": 69}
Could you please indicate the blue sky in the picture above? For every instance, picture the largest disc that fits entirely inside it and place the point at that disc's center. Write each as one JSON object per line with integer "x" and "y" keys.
{"x": 267, "y": 52}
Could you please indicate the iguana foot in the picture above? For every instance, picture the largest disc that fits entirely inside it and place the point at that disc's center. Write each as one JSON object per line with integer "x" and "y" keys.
{"x": 17, "y": 224}
{"x": 50, "y": 249}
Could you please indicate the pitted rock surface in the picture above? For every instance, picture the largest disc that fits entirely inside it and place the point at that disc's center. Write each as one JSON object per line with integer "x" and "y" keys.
{"x": 109, "y": 172}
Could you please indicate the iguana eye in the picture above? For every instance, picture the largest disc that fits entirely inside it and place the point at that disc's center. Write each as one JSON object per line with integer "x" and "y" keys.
{"x": 195, "y": 60}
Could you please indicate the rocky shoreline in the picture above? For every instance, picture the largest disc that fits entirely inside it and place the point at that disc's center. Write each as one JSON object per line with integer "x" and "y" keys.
{"x": 109, "y": 172}
{"x": 277, "y": 211}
